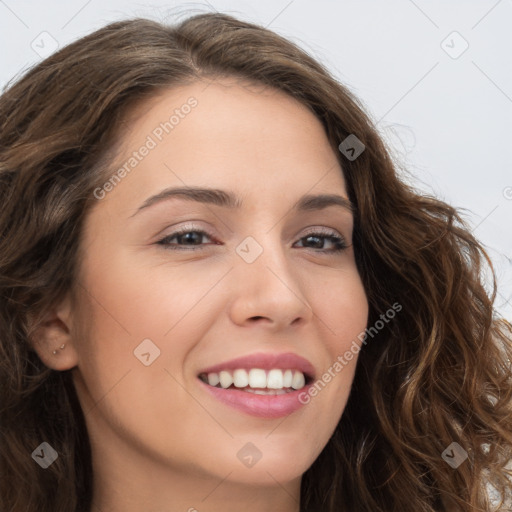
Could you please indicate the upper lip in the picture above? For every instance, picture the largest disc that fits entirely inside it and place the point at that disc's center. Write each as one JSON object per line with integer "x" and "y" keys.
{"x": 266, "y": 361}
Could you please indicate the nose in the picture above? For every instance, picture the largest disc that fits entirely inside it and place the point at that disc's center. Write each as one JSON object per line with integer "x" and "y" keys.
{"x": 268, "y": 291}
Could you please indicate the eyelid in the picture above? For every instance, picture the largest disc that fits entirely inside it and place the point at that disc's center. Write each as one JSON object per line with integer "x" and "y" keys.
{"x": 322, "y": 229}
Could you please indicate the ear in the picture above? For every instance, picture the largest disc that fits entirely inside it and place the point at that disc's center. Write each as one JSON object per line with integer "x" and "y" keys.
{"x": 52, "y": 339}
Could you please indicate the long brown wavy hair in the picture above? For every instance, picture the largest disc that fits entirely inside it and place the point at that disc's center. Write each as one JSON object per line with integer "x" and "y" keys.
{"x": 439, "y": 373}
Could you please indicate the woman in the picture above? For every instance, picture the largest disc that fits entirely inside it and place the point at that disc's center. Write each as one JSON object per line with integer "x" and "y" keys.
{"x": 177, "y": 335}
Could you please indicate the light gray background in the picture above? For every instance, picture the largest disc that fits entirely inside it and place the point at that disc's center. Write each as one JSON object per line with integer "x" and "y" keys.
{"x": 447, "y": 114}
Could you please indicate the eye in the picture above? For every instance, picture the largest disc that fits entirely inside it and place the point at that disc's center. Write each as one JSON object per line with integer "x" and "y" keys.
{"x": 193, "y": 237}
{"x": 186, "y": 236}
{"x": 320, "y": 236}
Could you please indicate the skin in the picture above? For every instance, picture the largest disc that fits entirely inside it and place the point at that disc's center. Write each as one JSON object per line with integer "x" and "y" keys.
{"x": 160, "y": 443}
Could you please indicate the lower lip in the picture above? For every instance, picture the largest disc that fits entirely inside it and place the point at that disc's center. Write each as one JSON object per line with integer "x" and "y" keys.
{"x": 264, "y": 406}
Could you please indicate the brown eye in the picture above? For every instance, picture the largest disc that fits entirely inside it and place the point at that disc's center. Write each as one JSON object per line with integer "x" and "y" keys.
{"x": 185, "y": 237}
{"x": 318, "y": 240}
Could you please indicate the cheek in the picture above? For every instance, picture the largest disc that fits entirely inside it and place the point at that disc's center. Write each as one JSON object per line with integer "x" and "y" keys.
{"x": 341, "y": 308}
{"x": 134, "y": 315}
{"x": 143, "y": 299}
{"x": 130, "y": 379}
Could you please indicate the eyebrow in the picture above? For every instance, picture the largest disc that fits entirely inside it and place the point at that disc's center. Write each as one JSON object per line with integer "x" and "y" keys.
{"x": 226, "y": 199}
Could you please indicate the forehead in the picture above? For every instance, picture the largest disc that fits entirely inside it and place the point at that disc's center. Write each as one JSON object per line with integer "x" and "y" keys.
{"x": 227, "y": 133}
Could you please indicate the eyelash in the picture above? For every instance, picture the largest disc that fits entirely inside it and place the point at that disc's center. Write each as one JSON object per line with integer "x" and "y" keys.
{"x": 326, "y": 234}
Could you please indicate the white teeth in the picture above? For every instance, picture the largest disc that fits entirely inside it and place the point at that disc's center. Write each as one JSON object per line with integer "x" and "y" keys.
{"x": 213, "y": 379}
{"x": 298, "y": 380}
{"x": 287, "y": 379}
{"x": 275, "y": 379}
{"x": 225, "y": 379}
{"x": 257, "y": 380}
{"x": 240, "y": 378}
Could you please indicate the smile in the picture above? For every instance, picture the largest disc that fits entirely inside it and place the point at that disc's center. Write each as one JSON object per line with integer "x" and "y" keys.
{"x": 263, "y": 385}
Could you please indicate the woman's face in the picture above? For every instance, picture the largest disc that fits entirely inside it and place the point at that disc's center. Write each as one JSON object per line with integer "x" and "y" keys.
{"x": 265, "y": 280}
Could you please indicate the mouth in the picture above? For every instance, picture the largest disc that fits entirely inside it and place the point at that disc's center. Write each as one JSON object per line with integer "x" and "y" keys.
{"x": 264, "y": 385}
{"x": 276, "y": 381}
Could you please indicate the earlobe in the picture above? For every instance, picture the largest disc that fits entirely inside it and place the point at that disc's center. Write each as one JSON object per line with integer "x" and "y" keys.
{"x": 60, "y": 348}
{"x": 53, "y": 341}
